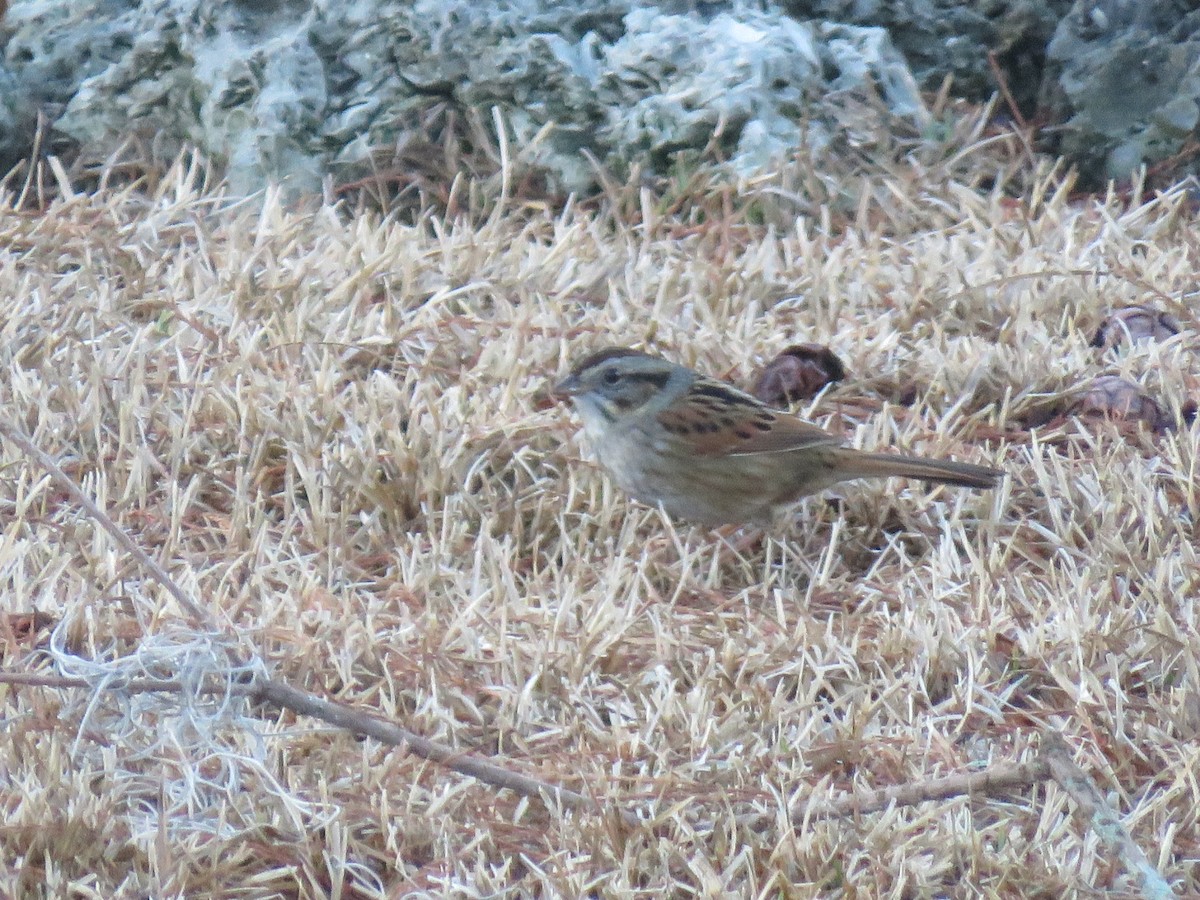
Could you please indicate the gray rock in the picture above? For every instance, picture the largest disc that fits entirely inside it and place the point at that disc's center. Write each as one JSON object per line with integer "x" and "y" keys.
{"x": 292, "y": 89}
{"x": 947, "y": 37}
{"x": 18, "y": 119}
{"x": 49, "y": 49}
{"x": 244, "y": 84}
{"x": 52, "y": 46}
{"x": 1125, "y": 78}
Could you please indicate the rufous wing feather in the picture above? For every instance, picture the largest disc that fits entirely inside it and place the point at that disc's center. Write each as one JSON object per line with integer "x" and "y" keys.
{"x": 719, "y": 420}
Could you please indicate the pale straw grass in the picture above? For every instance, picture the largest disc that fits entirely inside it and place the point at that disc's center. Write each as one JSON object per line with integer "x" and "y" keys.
{"x": 326, "y": 426}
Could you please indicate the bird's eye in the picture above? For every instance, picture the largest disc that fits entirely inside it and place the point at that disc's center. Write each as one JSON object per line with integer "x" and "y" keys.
{"x": 611, "y": 376}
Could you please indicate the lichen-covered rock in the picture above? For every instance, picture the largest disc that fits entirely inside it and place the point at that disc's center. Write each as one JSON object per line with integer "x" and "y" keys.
{"x": 293, "y": 89}
{"x": 49, "y": 49}
{"x": 947, "y": 37}
{"x": 53, "y": 46}
{"x": 1125, "y": 78}
{"x": 18, "y": 118}
{"x": 243, "y": 83}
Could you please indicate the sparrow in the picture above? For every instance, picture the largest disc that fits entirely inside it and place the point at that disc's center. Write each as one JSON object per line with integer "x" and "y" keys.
{"x": 711, "y": 454}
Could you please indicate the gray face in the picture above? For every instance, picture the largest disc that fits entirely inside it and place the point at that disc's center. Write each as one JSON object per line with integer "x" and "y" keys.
{"x": 616, "y": 391}
{"x": 613, "y": 383}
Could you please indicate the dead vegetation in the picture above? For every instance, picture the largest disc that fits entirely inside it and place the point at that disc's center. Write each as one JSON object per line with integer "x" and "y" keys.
{"x": 326, "y": 426}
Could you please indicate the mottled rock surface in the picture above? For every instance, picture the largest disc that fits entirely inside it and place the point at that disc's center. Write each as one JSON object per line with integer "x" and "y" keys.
{"x": 293, "y": 90}
{"x": 945, "y": 37}
{"x": 1125, "y": 79}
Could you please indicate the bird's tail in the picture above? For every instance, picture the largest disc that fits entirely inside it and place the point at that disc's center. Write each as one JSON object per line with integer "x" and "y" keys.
{"x": 939, "y": 471}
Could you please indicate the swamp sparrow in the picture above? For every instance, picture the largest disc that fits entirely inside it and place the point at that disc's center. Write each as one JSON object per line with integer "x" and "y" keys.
{"x": 710, "y": 453}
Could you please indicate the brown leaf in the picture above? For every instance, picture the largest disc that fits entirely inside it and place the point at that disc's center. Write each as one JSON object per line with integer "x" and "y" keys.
{"x": 1135, "y": 323}
{"x": 24, "y": 626}
{"x": 798, "y": 373}
{"x": 1114, "y": 398}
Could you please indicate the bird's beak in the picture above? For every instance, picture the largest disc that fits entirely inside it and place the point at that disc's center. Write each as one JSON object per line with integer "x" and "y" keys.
{"x": 567, "y": 388}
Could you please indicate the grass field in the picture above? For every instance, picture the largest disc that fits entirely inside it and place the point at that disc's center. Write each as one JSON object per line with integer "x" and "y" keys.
{"x": 328, "y": 426}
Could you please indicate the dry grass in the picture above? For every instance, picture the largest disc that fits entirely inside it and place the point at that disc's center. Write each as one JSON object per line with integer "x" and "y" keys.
{"x": 326, "y": 426}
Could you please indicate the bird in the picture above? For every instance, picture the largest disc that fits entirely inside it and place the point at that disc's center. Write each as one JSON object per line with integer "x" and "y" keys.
{"x": 711, "y": 454}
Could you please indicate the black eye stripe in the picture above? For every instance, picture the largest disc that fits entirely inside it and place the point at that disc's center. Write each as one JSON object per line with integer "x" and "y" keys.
{"x": 658, "y": 379}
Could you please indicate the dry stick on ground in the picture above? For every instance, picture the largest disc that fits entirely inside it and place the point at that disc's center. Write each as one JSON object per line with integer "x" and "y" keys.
{"x": 1053, "y": 763}
{"x": 274, "y": 691}
{"x": 199, "y": 615}
{"x": 995, "y": 780}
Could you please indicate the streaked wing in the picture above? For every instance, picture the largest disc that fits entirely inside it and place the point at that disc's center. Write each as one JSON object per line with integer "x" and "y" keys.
{"x": 720, "y": 420}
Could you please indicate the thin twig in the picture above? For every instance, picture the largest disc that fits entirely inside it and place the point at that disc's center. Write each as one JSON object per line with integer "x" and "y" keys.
{"x": 133, "y": 686}
{"x": 199, "y": 615}
{"x": 995, "y": 780}
{"x": 988, "y": 782}
{"x": 339, "y": 715}
{"x": 288, "y": 697}
{"x": 1002, "y": 83}
{"x": 1092, "y": 805}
